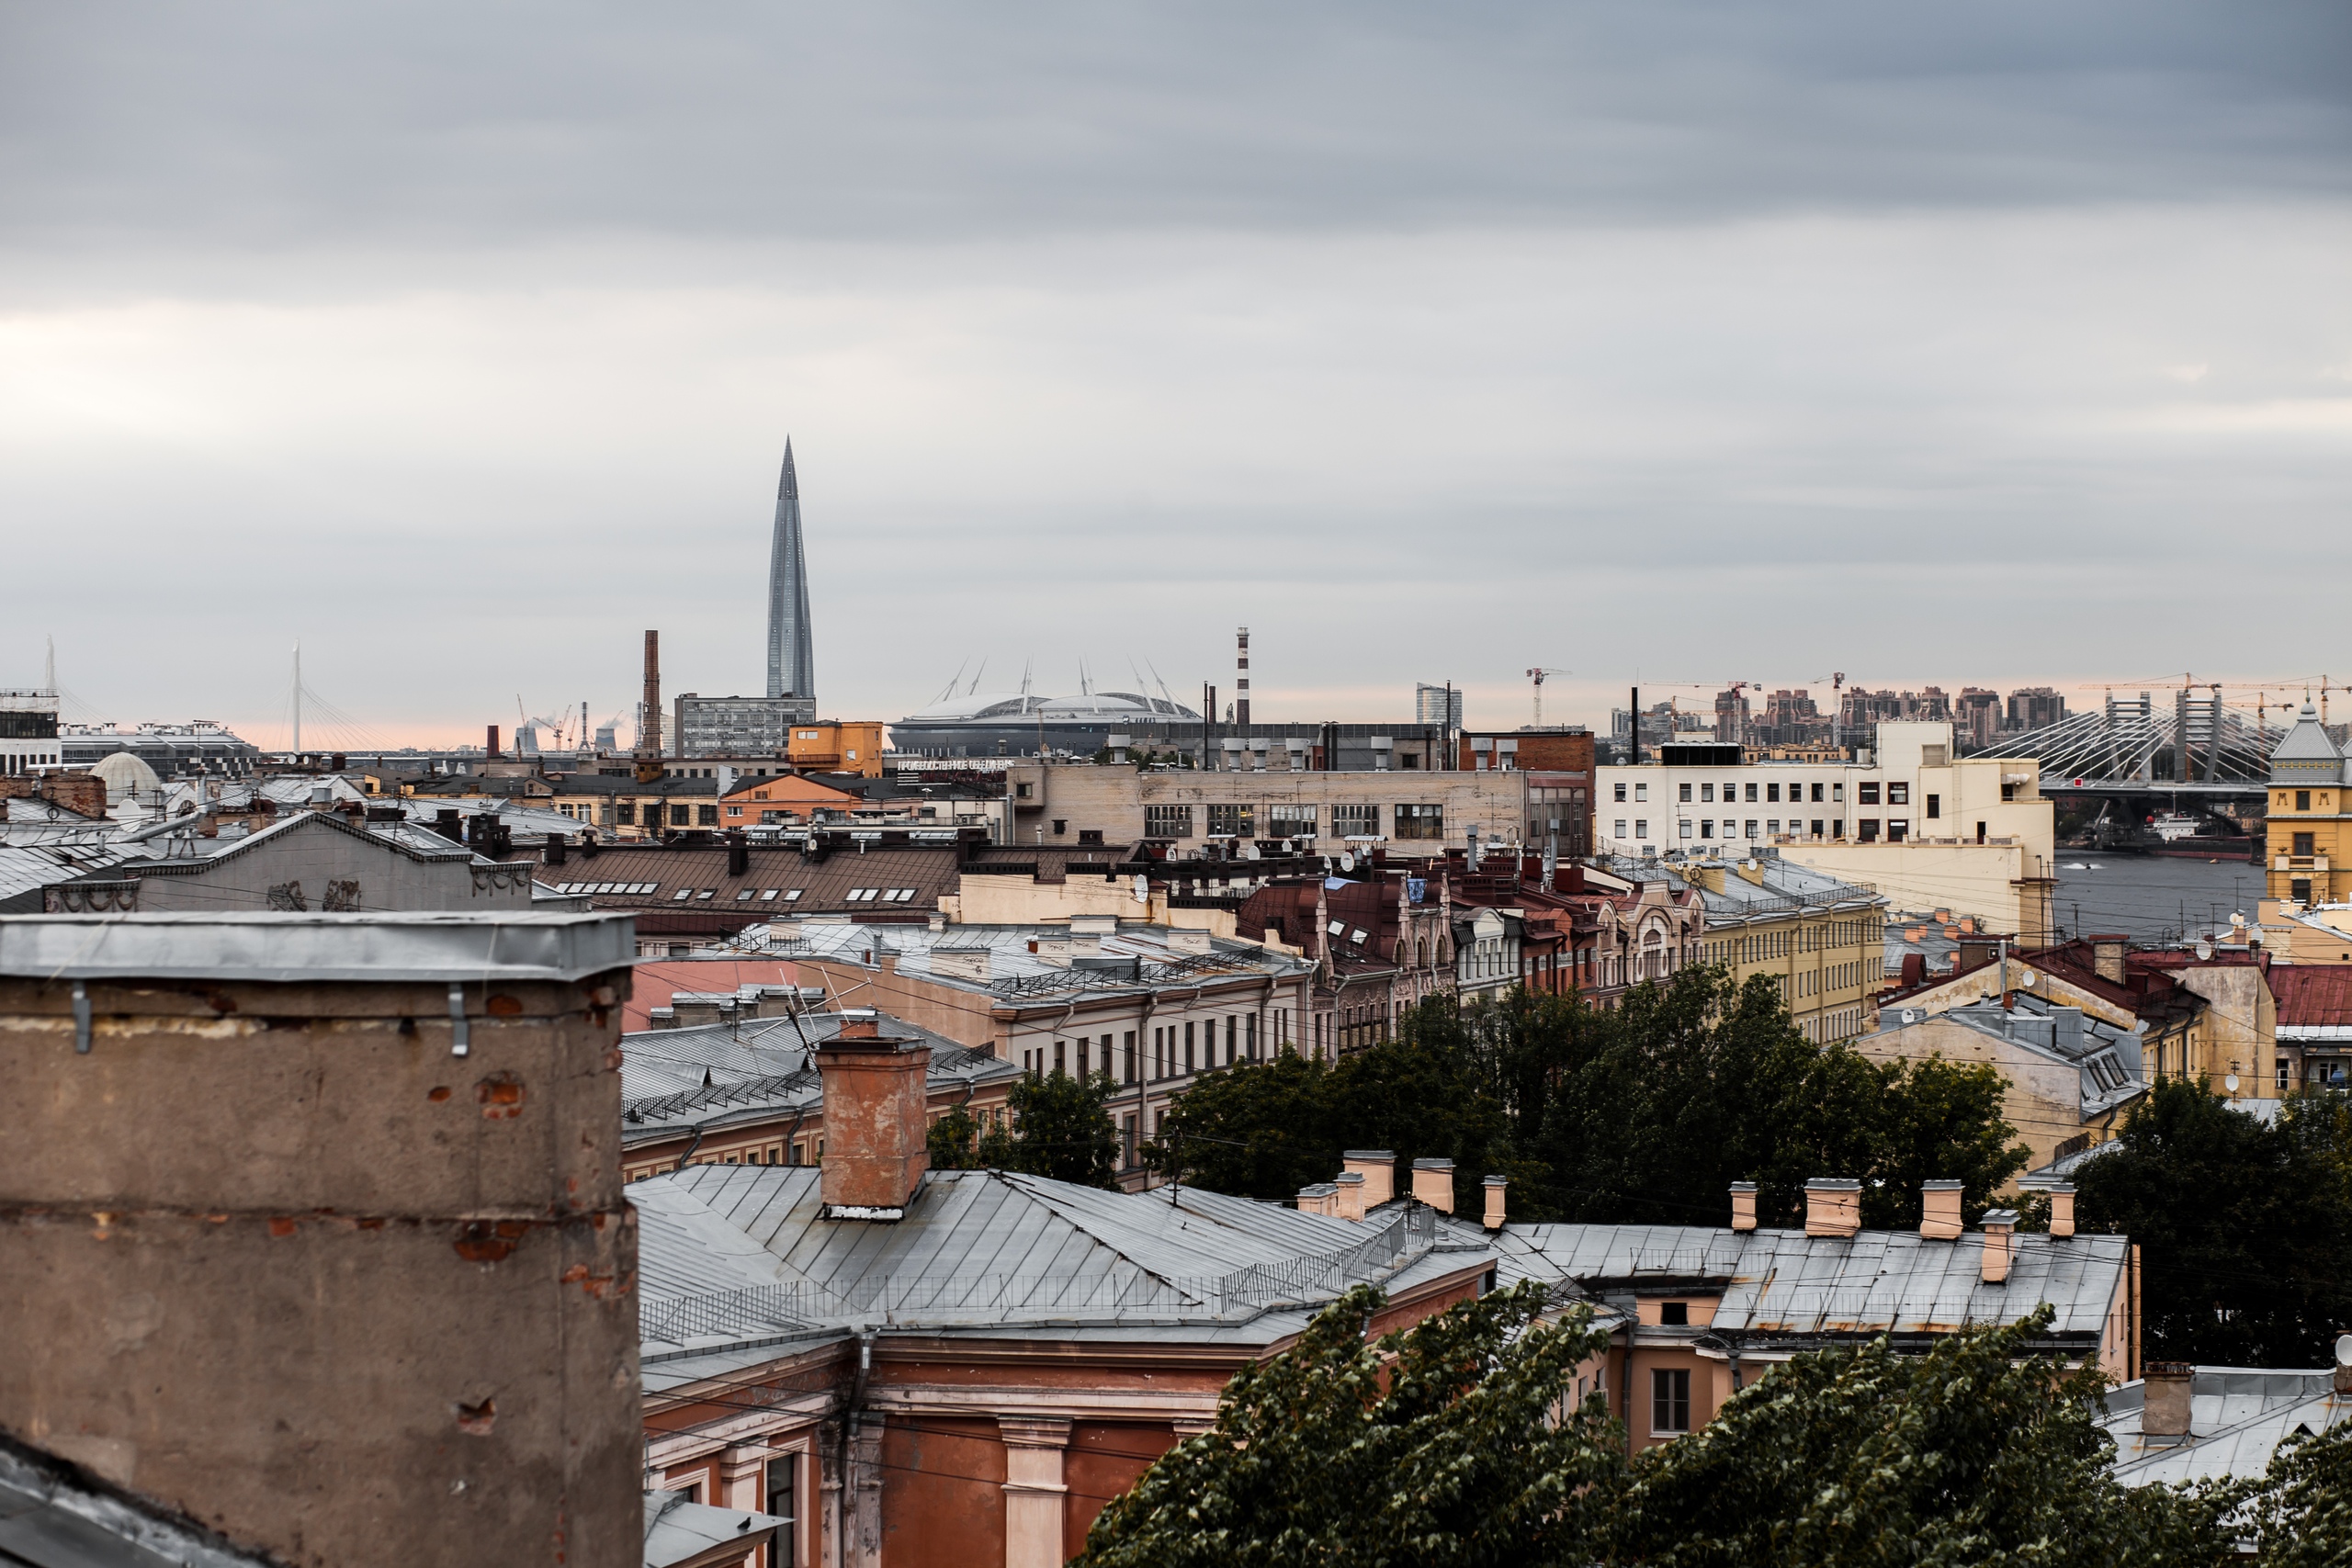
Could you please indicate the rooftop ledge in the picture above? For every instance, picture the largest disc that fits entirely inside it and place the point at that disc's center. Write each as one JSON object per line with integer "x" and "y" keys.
{"x": 285, "y": 948}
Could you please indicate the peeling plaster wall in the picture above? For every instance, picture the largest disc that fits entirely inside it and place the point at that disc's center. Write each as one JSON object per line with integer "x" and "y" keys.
{"x": 274, "y": 1257}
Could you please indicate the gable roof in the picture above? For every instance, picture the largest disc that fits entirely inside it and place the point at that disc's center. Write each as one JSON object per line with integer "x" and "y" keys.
{"x": 55, "y": 1513}
{"x": 781, "y": 789}
{"x": 2314, "y": 1000}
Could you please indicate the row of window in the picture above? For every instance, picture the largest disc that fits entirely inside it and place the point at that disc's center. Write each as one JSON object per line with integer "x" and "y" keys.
{"x": 625, "y": 814}
{"x": 1241, "y": 821}
{"x": 1176, "y": 1050}
{"x": 1731, "y": 827}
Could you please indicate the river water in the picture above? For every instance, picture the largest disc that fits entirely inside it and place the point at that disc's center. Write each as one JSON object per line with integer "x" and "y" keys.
{"x": 2152, "y": 897}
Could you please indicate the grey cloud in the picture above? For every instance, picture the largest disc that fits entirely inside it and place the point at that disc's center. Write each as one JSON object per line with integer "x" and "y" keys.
{"x": 295, "y": 123}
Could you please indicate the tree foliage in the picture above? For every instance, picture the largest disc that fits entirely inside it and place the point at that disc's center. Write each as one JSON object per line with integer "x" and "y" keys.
{"x": 1057, "y": 1127}
{"x": 1449, "y": 1445}
{"x": 2244, "y": 1229}
{"x": 1646, "y": 1112}
{"x": 1429, "y": 1449}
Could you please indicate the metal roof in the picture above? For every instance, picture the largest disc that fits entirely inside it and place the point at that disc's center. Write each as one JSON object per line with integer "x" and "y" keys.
{"x": 1786, "y": 1282}
{"x": 1026, "y": 961}
{"x": 735, "y": 1253}
{"x": 53, "y": 1516}
{"x": 2237, "y": 1418}
{"x": 2314, "y": 1000}
{"x": 712, "y": 1074}
{"x": 27, "y": 868}
{"x": 280, "y": 947}
{"x": 677, "y": 1531}
{"x": 905, "y": 879}
{"x": 2109, "y": 1063}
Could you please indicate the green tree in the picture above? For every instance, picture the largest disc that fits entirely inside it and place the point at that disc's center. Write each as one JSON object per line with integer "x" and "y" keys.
{"x": 1977, "y": 1452}
{"x": 1435, "y": 1447}
{"x": 954, "y": 1141}
{"x": 1264, "y": 1130}
{"x": 1059, "y": 1129}
{"x": 2244, "y": 1230}
{"x": 2300, "y": 1513}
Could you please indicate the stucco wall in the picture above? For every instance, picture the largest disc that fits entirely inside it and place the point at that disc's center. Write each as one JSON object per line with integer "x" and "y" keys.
{"x": 273, "y": 1256}
{"x": 311, "y": 858}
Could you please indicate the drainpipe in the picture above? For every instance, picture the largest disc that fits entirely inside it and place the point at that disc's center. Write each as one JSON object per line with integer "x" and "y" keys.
{"x": 691, "y": 1147}
{"x": 846, "y": 1510}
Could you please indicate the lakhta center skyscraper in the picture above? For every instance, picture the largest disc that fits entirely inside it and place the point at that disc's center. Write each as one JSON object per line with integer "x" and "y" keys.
{"x": 792, "y": 662}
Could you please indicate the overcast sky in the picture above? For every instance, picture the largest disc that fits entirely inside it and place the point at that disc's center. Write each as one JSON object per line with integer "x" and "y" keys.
{"x": 2000, "y": 344}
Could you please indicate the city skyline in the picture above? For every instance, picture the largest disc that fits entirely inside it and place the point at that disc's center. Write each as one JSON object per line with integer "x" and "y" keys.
{"x": 1972, "y": 348}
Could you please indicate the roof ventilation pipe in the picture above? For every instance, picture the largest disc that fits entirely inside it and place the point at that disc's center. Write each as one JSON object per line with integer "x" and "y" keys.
{"x": 2000, "y": 1246}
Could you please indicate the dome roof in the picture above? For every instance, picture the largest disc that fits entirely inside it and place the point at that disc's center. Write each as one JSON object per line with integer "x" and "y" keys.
{"x": 125, "y": 773}
{"x": 1109, "y": 707}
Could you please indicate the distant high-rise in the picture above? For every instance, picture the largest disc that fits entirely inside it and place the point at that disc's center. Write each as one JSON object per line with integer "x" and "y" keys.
{"x": 792, "y": 661}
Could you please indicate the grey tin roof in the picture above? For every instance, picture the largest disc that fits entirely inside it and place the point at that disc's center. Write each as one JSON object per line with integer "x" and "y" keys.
{"x": 1067, "y": 957}
{"x": 679, "y": 1531}
{"x": 54, "y": 1515}
{"x": 2306, "y": 754}
{"x": 712, "y": 1074}
{"x": 428, "y": 947}
{"x": 1785, "y": 1282}
{"x": 2237, "y": 1418}
{"x": 731, "y": 1253}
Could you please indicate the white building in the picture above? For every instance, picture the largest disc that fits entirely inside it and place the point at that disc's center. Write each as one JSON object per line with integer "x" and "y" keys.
{"x": 27, "y": 731}
{"x": 1909, "y": 818}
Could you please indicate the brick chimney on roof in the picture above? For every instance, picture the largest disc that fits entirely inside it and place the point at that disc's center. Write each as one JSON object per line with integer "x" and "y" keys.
{"x": 1434, "y": 1183}
{"x": 1378, "y": 1168}
{"x": 2000, "y": 1246}
{"x": 2165, "y": 1389}
{"x": 2107, "y": 957}
{"x": 1743, "y": 1205}
{"x": 1832, "y": 1207}
{"x": 1940, "y": 1210}
{"x": 876, "y": 1092}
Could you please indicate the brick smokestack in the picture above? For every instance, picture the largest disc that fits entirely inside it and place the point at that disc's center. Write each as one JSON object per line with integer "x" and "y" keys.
{"x": 493, "y": 748}
{"x": 2165, "y": 1389}
{"x": 1378, "y": 1168}
{"x": 649, "y": 725}
{"x": 876, "y": 1091}
{"x": 1833, "y": 1206}
{"x": 1434, "y": 1183}
{"x": 1743, "y": 1205}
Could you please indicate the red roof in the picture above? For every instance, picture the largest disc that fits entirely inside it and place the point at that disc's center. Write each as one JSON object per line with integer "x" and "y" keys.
{"x": 2312, "y": 994}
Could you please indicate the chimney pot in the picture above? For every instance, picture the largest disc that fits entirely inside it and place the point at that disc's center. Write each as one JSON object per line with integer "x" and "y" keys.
{"x": 1350, "y": 1185}
{"x": 1833, "y": 1206}
{"x": 1378, "y": 1168}
{"x": 875, "y": 1090}
{"x": 1320, "y": 1198}
{"x": 2000, "y": 1245}
{"x": 1434, "y": 1183}
{"x": 2164, "y": 1391}
{"x": 2062, "y": 1211}
{"x": 1940, "y": 1210}
{"x": 1743, "y": 1205}
{"x": 1496, "y": 1185}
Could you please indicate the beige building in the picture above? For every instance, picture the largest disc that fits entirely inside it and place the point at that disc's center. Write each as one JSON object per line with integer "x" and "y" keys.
{"x": 1922, "y": 827}
{"x": 2070, "y": 1074}
{"x": 1820, "y": 940}
{"x": 1415, "y": 812}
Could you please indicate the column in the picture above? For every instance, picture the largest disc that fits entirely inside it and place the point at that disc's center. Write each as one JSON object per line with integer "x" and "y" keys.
{"x": 1033, "y": 1490}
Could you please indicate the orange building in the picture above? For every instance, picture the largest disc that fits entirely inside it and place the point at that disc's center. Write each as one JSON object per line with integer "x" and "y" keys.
{"x": 781, "y": 800}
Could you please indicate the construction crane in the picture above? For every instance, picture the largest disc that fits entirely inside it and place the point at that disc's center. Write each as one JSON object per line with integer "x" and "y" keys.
{"x": 1537, "y": 676}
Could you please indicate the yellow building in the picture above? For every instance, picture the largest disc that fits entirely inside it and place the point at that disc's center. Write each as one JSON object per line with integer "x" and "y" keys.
{"x": 2311, "y": 822}
{"x": 1822, "y": 942}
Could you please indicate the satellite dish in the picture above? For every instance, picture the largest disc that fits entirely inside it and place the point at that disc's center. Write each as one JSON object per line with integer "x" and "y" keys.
{"x": 1143, "y": 888}
{"x": 2204, "y": 948}
{"x": 2230, "y": 1083}
{"x": 2026, "y": 978}
{"x": 1348, "y": 860}
{"x": 2344, "y": 1349}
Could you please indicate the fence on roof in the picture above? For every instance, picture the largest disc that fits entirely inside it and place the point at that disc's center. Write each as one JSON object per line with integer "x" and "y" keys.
{"x": 796, "y": 1306}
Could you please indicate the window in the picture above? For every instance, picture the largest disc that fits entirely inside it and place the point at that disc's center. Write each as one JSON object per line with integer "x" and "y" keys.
{"x": 1641, "y": 828}
{"x": 783, "y": 1502}
{"x": 682, "y": 894}
{"x": 1686, "y": 827}
{"x": 767, "y": 895}
{"x": 1674, "y": 1315}
{"x": 1897, "y": 829}
{"x": 1021, "y": 792}
{"x": 1421, "y": 822}
{"x": 1935, "y": 807}
{"x": 1772, "y": 793}
{"x": 1128, "y": 1056}
{"x": 1641, "y": 792}
{"x": 744, "y": 894}
{"x": 2302, "y": 800}
{"x": 1621, "y": 794}
{"x": 1816, "y": 827}
{"x": 1355, "y": 821}
{"x": 1061, "y": 825}
{"x": 1707, "y": 827}
{"x": 1620, "y": 826}
{"x": 1291, "y": 821}
{"x": 1188, "y": 1046}
{"x": 1685, "y": 794}
{"x": 1751, "y": 794}
{"x": 1867, "y": 829}
{"x": 1669, "y": 1401}
{"x": 1836, "y": 790}
{"x": 1751, "y": 828}
{"x": 1771, "y": 826}
{"x": 2299, "y": 889}
{"x": 625, "y": 814}
{"x": 1868, "y": 793}
{"x": 1707, "y": 792}
{"x": 1898, "y": 793}
{"x": 1233, "y": 821}
{"x": 1167, "y": 821}
{"x": 734, "y": 811}
{"x": 2304, "y": 842}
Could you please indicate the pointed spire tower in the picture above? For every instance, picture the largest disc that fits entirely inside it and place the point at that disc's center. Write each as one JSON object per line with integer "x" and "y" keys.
{"x": 792, "y": 661}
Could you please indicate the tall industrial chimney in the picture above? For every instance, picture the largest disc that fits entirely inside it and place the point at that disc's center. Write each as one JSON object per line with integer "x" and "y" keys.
{"x": 648, "y": 727}
{"x": 1241, "y": 681}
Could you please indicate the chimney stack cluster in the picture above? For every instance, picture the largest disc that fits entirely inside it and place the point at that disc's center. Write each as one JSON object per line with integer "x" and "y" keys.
{"x": 1833, "y": 1210}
